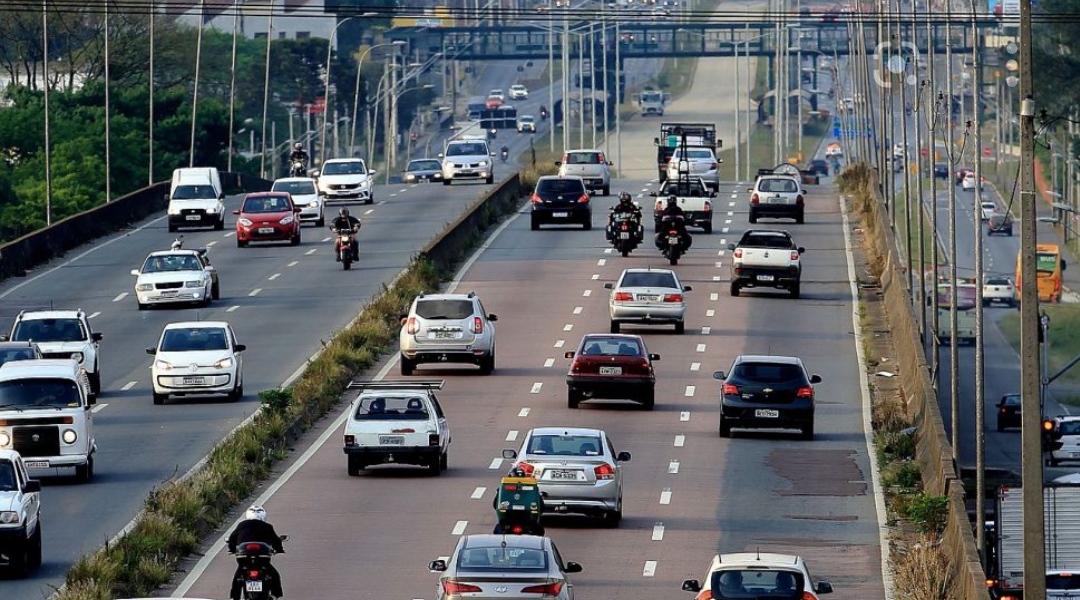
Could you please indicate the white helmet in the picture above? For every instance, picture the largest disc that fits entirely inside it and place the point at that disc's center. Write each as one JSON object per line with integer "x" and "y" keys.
{"x": 298, "y": 145}
{"x": 256, "y": 512}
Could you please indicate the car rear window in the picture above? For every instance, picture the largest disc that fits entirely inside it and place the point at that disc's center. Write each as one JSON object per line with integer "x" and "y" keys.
{"x": 997, "y": 281}
{"x": 444, "y": 309}
{"x": 391, "y": 409}
{"x": 662, "y": 280}
{"x": 500, "y": 559}
{"x": 1063, "y": 581}
{"x": 777, "y": 185}
{"x": 560, "y": 186}
{"x": 596, "y": 346}
{"x": 765, "y": 241}
{"x": 1011, "y": 400}
{"x": 565, "y": 445}
{"x": 13, "y": 354}
{"x": 756, "y": 583}
{"x": 772, "y": 373}
{"x": 583, "y": 158}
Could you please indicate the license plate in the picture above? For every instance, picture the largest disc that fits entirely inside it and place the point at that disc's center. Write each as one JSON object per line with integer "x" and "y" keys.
{"x": 765, "y": 278}
{"x": 766, "y": 413}
{"x": 442, "y": 335}
{"x": 391, "y": 440}
{"x": 253, "y": 586}
{"x": 611, "y": 370}
{"x": 624, "y": 235}
{"x": 777, "y": 200}
{"x": 673, "y": 239}
{"x": 560, "y": 215}
{"x": 648, "y": 298}
{"x": 37, "y": 464}
{"x": 169, "y": 293}
{"x": 564, "y": 474}
{"x": 193, "y": 217}
{"x": 194, "y": 381}
{"x": 266, "y": 230}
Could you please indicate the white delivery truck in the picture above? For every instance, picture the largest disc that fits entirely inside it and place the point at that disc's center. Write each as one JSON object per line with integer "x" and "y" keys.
{"x": 1062, "y": 520}
{"x": 196, "y": 199}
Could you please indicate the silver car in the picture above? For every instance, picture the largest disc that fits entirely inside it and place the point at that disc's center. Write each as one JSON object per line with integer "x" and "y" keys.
{"x": 648, "y": 296}
{"x": 507, "y": 567}
{"x": 305, "y": 196}
{"x": 447, "y": 328}
{"x": 699, "y": 162}
{"x": 577, "y": 469}
{"x": 590, "y": 165}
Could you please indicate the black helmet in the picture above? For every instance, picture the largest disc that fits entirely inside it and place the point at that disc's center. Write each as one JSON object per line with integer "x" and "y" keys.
{"x": 344, "y": 212}
{"x": 517, "y": 472}
{"x": 672, "y": 200}
{"x": 625, "y": 197}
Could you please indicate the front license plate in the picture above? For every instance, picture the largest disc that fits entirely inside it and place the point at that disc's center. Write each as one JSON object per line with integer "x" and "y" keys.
{"x": 169, "y": 293}
{"x": 611, "y": 370}
{"x": 37, "y": 464}
{"x": 266, "y": 230}
{"x": 624, "y": 235}
{"x": 560, "y": 215}
{"x": 253, "y": 586}
{"x": 193, "y": 217}
{"x": 194, "y": 381}
{"x": 564, "y": 475}
{"x": 765, "y": 278}
{"x": 766, "y": 413}
{"x": 391, "y": 440}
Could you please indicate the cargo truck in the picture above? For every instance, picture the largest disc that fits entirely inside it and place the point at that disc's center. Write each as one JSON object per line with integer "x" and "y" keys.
{"x": 1062, "y": 524}
{"x": 674, "y": 135}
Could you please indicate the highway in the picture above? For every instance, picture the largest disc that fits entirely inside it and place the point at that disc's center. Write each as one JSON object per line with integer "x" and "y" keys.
{"x": 688, "y": 493}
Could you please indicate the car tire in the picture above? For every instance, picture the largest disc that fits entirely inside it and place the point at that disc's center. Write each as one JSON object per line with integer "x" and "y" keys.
{"x": 1051, "y": 462}
{"x": 724, "y": 428}
{"x": 241, "y": 243}
{"x": 444, "y": 461}
{"x": 33, "y": 551}
{"x": 84, "y": 473}
{"x": 141, "y": 305}
{"x": 680, "y": 327}
{"x": 613, "y": 517}
{"x": 370, "y": 199}
{"x": 295, "y": 240}
{"x": 648, "y": 400}
{"x": 321, "y": 222}
{"x": 172, "y": 228}
{"x": 160, "y": 399}
{"x": 795, "y": 291}
{"x": 220, "y": 225}
{"x": 534, "y": 223}
{"x": 587, "y": 224}
{"x": 95, "y": 382}
{"x": 354, "y": 466}
{"x": 615, "y": 325}
{"x": 447, "y": 181}
{"x": 487, "y": 364}
{"x": 573, "y": 398}
{"x": 215, "y": 291}
{"x": 734, "y": 290}
{"x": 752, "y": 217}
{"x": 237, "y": 393}
{"x": 707, "y": 228}
{"x": 1000, "y": 426}
{"x": 808, "y": 432}
{"x": 607, "y": 190}
{"x": 19, "y": 560}
{"x": 407, "y": 366}
{"x": 490, "y": 179}
{"x": 799, "y": 218}
{"x": 435, "y": 468}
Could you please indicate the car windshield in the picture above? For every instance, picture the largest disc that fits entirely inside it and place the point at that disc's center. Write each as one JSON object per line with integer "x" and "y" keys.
{"x": 13, "y": 354}
{"x": 466, "y": 150}
{"x": 424, "y": 165}
{"x": 526, "y": 119}
{"x": 1057, "y": 581}
{"x": 194, "y": 339}
{"x": 7, "y": 476}
{"x": 768, "y": 373}
{"x": 766, "y": 240}
{"x": 171, "y": 262}
{"x": 352, "y": 167}
{"x": 49, "y": 330}
{"x": 756, "y": 584}
{"x": 34, "y": 392}
{"x": 1069, "y": 427}
{"x": 391, "y": 408}
{"x": 266, "y": 204}
{"x": 296, "y": 188}
{"x": 778, "y": 186}
{"x": 647, "y": 279}
{"x": 560, "y": 186}
{"x": 444, "y": 309}
{"x": 193, "y": 192}
{"x": 499, "y": 559}
{"x": 583, "y": 158}
{"x": 565, "y": 445}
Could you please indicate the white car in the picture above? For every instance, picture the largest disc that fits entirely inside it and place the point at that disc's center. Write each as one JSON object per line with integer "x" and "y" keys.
{"x": 497, "y": 93}
{"x": 700, "y": 162}
{"x": 448, "y": 328}
{"x": 20, "y": 505}
{"x": 305, "y": 196}
{"x": 397, "y": 422}
{"x": 758, "y": 575}
{"x": 518, "y": 92}
{"x": 899, "y": 151}
{"x": 62, "y": 334}
{"x": 343, "y": 179}
{"x": 197, "y": 358}
{"x": 968, "y": 183}
{"x": 467, "y": 158}
{"x": 987, "y": 208}
{"x": 999, "y": 289}
{"x": 171, "y": 276}
{"x": 1067, "y": 429}
{"x": 647, "y": 296}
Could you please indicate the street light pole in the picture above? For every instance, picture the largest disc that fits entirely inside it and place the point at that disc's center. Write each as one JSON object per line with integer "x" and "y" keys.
{"x": 266, "y": 90}
{"x": 326, "y": 90}
{"x": 356, "y": 94}
{"x": 45, "y": 70}
{"x": 195, "y": 90}
{"x": 150, "y": 101}
{"x": 232, "y": 81}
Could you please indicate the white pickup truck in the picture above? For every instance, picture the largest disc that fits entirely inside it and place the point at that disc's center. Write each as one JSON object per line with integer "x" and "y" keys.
{"x": 766, "y": 258}
{"x": 694, "y": 197}
{"x": 20, "y": 503}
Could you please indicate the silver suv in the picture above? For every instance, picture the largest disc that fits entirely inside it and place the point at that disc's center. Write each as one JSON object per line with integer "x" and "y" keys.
{"x": 62, "y": 334}
{"x": 590, "y": 165}
{"x": 467, "y": 158}
{"x": 447, "y": 328}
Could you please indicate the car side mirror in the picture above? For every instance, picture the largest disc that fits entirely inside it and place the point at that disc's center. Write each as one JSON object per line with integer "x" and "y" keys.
{"x": 610, "y": 163}
{"x": 749, "y": 189}
{"x": 691, "y": 585}
{"x": 803, "y": 192}
{"x": 97, "y": 336}
{"x": 609, "y": 286}
{"x": 316, "y": 173}
{"x": 719, "y": 375}
{"x": 712, "y": 194}
{"x": 235, "y": 212}
{"x": 569, "y": 354}
{"x": 572, "y": 567}
{"x": 151, "y": 351}
{"x": 239, "y": 348}
{"x": 558, "y": 163}
{"x": 296, "y": 210}
{"x": 493, "y": 318}
{"x": 823, "y": 587}
{"x": 731, "y": 246}
{"x": 437, "y": 565}
{"x": 801, "y": 249}
{"x": 815, "y": 379}
{"x": 509, "y": 454}
{"x": 654, "y": 357}
{"x": 372, "y": 172}
{"x": 687, "y": 288}
{"x": 654, "y": 194}
{"x": 135, "y": 272}
{"x": 439, "y": 155}
{"x": 623, "y": 457}
{"x": 32, "y": 485}
{"x": 1063, "y": 265}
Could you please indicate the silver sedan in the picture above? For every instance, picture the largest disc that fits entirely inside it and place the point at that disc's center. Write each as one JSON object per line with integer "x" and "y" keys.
{"x": 648, "y": 296}
{"x": 510, "y": 567}
{"x": 577, "y": 469}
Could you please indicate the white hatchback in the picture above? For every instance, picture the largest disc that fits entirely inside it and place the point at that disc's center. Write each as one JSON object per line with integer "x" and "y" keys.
{"x": 758, "y": 575}
{"x": 305, "y": 196}
{"x": 344, "y": 179}
{"x": 518, "y": 92}
{"x": 197, "y": 358}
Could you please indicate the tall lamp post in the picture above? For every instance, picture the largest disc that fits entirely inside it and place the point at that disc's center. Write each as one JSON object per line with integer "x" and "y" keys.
{"x": 392, "y": 137}
{"x": 326, "y": 91}
{"x": 356, "y": 94}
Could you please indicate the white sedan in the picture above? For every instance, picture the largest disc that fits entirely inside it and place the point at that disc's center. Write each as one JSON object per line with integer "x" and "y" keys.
{"x": 968, "y": 183}
{"x": 987, "y": 208}
{"x": 197, "y": 358}
{"x": 647, "y": 296}
{"x": 172, "y": 276}
{"x": 518, "y": 92}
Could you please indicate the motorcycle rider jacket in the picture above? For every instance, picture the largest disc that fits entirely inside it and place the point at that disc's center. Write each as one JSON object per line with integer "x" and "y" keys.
{"x": 254, "y": 530}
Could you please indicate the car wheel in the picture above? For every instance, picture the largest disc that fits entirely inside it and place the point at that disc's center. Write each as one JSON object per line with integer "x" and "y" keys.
{"x": 85, "y": 473}
{"x": 321, "y": 222}
{"x": 435, "y": 468}
{"x": 799, "y": 218}
{"x": 587, "y": 224}
{"x": 534, "y": 223}
{"x": 141, "y": 305}
{"x": 446, "y": 181}
{"x": 573, "y": 397}
{"x": 444, "y": 462}
{"x": 295, "y": 240}
{"x": 354, "y": 466}
{"x": 725, "y": 427}
{"x": 237, "y": 393}
{"x": 1052, "y": 462}
{"x": 215, "y": 291}
{"x": 33, "y": 552}
{"x": 487, "y": 364}
{"x": 680, "y": 327}
{"x": 95, "y": 382}
{"x": 607, "y": 190}
{"x": 808, "y": 431}
{"x": 490, "y": 179}
{"x": 707, "y": 228}
{"x": 220, "y": 225}
{"x": 18, "y": 560}
{"x": 370, "y": 199}
{"x": 241, "y": 243}
{"x": 407, "y": 366}
{"x": 795, "y": 291}
{"x": 648, "y": 400}
{"x": 615, "y": 327}
{"x": 612, "y": 518}
{"x": 734, "y": 288}
{"x": 172, "y": 228}
{"x": 753, "y": 217}
{"x": 160, "y": 398}
{"x": 1000, "y": 426}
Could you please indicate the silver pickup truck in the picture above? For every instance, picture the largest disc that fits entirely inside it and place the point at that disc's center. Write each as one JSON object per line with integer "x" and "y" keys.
{"x": 694, "y": 197}
{"x": 766, "y": 258}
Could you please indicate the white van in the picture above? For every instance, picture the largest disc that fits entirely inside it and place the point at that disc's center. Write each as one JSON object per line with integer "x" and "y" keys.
{"x": 47, "y": 415}
{"x": 196, "y": 199}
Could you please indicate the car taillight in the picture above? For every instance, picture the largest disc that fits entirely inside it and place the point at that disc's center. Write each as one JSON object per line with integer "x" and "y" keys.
{"x": 527, "y": 468}
{"x": 673, "y": 298}
{"x": 645, "y": 366}
{"x": 738, "y": 253}
{"x": 433, "y": 439}
{"x": 794, "y": 255}
{"x": 730, "y": 389}
{"x": 582, "y": 199}
{"x": 754, "y": 198}
{"x": 536, "y": 199}
{"x": 453, "y": 587}
{"x": 414, "y": 326}
{"x": 548, "y": 589}
{"x": 350, "y": 440}
{"x": 477, "y": 325}
{"x": 805, "y": 392}
{"x": 713, "y": 166}
{"x": 799, "y": 199}
{"x": 808, "y": 596}
{"x": 623, "y": 296}
{"x": 575, "y": 367}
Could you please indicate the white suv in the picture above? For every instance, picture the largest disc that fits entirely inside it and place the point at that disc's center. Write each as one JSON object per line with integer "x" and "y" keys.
{"x": 20, "y": 503}
{"x": 758, "y": 575}
{"x": 197, "y": 358}
{"x": 397, "y": 422}
{"x": 467, "y": 158}
{"x": 62, "y": 334}
{"x": 343, "y": 179}
{"x": 447, "y": 328}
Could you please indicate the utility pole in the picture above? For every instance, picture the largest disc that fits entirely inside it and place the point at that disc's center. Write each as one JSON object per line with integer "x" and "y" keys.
{"x": 950, "y": 145}
{"x": 980, "y": 387}
{"x": 1031, "y": 413}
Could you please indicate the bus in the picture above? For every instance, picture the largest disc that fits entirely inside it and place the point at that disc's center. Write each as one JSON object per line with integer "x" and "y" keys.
{"x": 966, "y": 306}
{"x": 1049, "y": 266}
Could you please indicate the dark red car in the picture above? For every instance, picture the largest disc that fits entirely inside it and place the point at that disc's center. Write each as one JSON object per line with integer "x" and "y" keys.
{"x": 611, "y": 366}
{"x": 267, "y": 217}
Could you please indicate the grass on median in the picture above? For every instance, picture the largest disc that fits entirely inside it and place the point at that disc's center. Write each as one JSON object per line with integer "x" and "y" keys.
{"x": 1064, "y": 344}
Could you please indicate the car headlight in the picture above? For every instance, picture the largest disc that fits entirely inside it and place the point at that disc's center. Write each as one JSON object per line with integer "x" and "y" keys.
{"x": 225, "y": 363}
{"x": 244, "y": 222}
{"x": 77, "y": 357}
{"x": 194, "y": 284}
{"x": 287, "y": 220}
{"x": 410, "y": 177}
{"x": 313, "y": 204}
{"x": 164, "y": 366}
{"x": 5, "y": 439}
{"x": 483, "y": 163}
{"x": 9, "y": 517}
{"x": 69, "y": 436}
{"x": 211, "y": 210}
{"x": 144, "y": 287}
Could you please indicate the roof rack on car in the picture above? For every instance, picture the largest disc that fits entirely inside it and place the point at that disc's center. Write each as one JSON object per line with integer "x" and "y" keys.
{"x": 402, "y": 384}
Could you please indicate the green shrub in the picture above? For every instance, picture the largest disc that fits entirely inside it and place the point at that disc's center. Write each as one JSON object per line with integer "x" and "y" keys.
{"x": 276, "y": 401}
{"x": 928, "y": 513}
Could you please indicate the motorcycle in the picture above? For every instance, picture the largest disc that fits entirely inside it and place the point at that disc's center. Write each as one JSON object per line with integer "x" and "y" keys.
{"x": 543, "y": 114}
{"x": 493, "y": 133}
{"x": 504, "y": 155}
{"x": 253, "y": 558}
{"x": 671, "y": 241}
{"x": 344, "y": 246}
{"x": 297, "y": 168}
{"x": 177, "y": 243}
{"x": 624, "y": 231}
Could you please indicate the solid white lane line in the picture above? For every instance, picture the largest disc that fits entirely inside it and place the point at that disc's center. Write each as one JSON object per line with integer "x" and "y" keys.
{"x": 495, "y": 464}
{"x": 560, "y": 343}
{"x": 595, "y": 276}
{"x": 578, "y": 309}
{"x": 369, "y": 211}
{"x": 710, "y": 313}
{"x": 568, "y": 327}
{"x": 94, "y": 314}
{"x": 680, "y": 441}
{"x": 232, "y": 308}
{"x": 701, "y": 347}
{"x": 684, "y": 416}
{"x": 255, "y": 292}
{"x": 120, "y": 297}
{"x": 524, "y": 412}
{"x": 274, "y": 276}
{"x": 658, "y": 532}
{"x": 665, "y": 496}
{"x": 690, "y": 389}
{"x": 549, "y": 363}
{"x": 478, "y": 493}
{"x": 673, "y": 467}
{"x": 293, "y": 263}
{"x": 587, "y": 293}
{"x": 650, "y": 569}
{"x": 696, "y": 366}
{"x": 99, "y": 407}
{"x": 129, "y": 385}
{"x": 714, "y": 297}
{"x": 310, "y": 252}
{"x": 706, "y": 330}
{"x": 536, "y": 387}
{"x": 601, "y": 262}
{"x": 511, "y": 435}
{"x": 459, "y": 527}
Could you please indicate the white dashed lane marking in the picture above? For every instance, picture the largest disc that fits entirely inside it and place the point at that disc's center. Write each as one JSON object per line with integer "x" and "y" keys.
{"x": 701, "y": 347}
{"x": 293, "y": 263}
{"x": 459, "y": 527}
{"x": 714, "y": 297}
{"x": 120, "y": 297}
{"x": 684, "y": 416}
{"x": 695, "y": 366}
{"x": 690, "y": 389}
{"x": 706, "y": 330}
{"x": 716, "y": 278}
{"x": 98, "y": 407}
{"x": 94, "y": 314}
{"x": 524, "y": 412}
{"x": 230, "y": 234}
{"x": 658, "y": 532}
{"x": 232, "y": 308}
{"x": 727, "y": 221}
{"x": 673, "y": 467}
{"x": 650, "y": 569}
{"x": 578, "y": 309}
{"x": 495, "y": 464}
{"x": 568, "y": 327}
{"x": 511, "y": 435}
{"x": 718, "y": 265}
{"x": 725, "y": 230}
{"x": 383, "y": 202}
{"x": 601, "y": 262}
{"x": 274, "y": 276}
{"x": 665, "y": 496}
{"x": 536, "y": 387}
{"x": 587, "y": 293}
{"x": 327, "y": 239}
{"x": 607, "y": 250}
{"x": 710, "y": 313}
{"x": 680, "y": 441}
{"x": 548, "y": 363}
{"x": 478, "y": 493}
{"x": 129, "y": 385}
{"x": 209, "y": 244}
{"x": 560, "y": 343}
{"x": 310, "y": 252}
{"x": 369, "y": 211}
{"x": 255, "y": 292}
{"x": 595, "y": 276}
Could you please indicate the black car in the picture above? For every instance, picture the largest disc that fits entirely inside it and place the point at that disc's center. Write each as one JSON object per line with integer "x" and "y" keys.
{"x": 767, "y": 392}
{"x": 999, "y": 223}
{"x": 422, "y": 169}
{"x": 12, "y": 351}
{"x": 561, "y": 200}
{"x": 818, "y": 167}
{"x": 941, "y": 171}
{"x": 1008, "y": 411}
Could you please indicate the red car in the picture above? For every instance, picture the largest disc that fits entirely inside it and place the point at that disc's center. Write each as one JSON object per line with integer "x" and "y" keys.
{"x": 611, "y": 366}
{"x": 267, "y": 217}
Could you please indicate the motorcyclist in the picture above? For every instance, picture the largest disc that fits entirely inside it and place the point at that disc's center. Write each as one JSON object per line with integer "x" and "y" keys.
{"x": 677, "y": 220}
{"x": 255, "y": 528}
{"x": 298, "y": 154}
{"x": 493, "y": 133}
{"x": 504, "y": 152}
{"x": 344, "y": 221}
{"x": 543, "y": 112}
{"x": 625, "y": 205}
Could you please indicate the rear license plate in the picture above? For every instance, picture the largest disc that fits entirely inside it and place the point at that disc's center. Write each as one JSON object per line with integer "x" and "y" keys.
{"x": 648, "y": 297}
{"x": 624, "y": 235}
{"x": 560, "y": 215}
{"x": 266, "y": 230}
{"x": 253, "y": 586}
{"x": 564, "y": 475}
{"x": 194, "y": 381}
{"x": 766, "y": 413}
{"x": 391, "y": 440}
{"x": 37, "y": 464}
{"x": 777, "y": 200}
{"x": 765, "y": 278}
{"x": 193, "y": 217}
{"x": 611, "y": 370}
{"x": 442, "y": 335}
{"x": 673, "y": 240}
